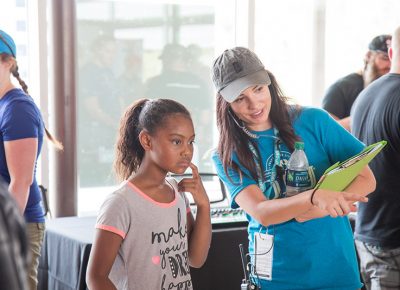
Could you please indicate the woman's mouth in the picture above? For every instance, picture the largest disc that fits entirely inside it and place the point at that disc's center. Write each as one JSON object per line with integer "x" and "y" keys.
{"x": 256, "y": 114}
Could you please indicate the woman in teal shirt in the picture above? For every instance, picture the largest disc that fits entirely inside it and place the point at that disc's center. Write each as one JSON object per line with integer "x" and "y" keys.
{"x": 306, "y": 239}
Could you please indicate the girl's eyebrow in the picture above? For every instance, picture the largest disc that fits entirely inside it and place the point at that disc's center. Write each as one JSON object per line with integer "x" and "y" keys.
{"x": 180, "y": 135}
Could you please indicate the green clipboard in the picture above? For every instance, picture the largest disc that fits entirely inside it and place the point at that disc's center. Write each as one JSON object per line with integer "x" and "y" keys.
{"x": 340, "y": 175}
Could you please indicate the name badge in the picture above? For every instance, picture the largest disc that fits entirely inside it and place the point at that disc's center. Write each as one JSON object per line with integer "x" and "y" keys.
{"x": 263, "y": 256}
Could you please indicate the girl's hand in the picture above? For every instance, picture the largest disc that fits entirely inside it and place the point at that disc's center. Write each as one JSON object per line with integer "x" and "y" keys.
{"x": 195, "y": 186}
{"x": 336, "y": 203}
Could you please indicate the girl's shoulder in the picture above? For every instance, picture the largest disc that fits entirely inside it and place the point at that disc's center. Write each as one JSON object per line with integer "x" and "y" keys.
{"x": 120, "y": 193}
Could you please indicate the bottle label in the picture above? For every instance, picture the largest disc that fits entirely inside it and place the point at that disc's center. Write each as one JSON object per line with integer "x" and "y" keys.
{"x": 296, "y": 178}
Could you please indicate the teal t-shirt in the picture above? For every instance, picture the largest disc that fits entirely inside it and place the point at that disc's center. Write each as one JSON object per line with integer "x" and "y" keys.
{"x": 318, "y": 254}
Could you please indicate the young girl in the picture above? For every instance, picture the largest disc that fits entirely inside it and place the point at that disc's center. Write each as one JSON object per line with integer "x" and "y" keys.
{"x": 21, "y": 131}
{"x": 146, "y": 236}
{"x": 303, "y": 241}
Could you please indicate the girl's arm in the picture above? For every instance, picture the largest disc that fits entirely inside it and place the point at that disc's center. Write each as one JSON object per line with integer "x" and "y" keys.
{"x": 199, "y": 230}
{"x": 21, "y": 157}
{"x": 102, "y": 256}
{"x": 268, "y": 212}
{"x": 363, "y": 184}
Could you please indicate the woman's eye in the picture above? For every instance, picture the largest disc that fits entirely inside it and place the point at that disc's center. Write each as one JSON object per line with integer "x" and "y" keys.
{"x": 259, "y": 89}
{"x": 176, "y": 142}
{"x": 238, "y": 100}
{"x": 192, "y": 142}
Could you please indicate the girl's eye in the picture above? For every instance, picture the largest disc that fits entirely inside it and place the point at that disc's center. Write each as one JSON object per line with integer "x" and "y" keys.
{"x": 192, "y": 142}
{"x": 259, "y": 89}
{"x": 176, "y": 142}
{"x": 238, "y": 100}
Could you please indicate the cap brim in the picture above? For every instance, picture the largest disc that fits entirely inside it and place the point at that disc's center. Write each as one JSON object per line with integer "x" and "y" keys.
{"x": 235, "y": 88}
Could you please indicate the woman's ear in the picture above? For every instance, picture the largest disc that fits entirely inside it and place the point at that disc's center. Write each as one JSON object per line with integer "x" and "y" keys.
{"x": 145, "y": 140}
{"x": 9, "y": 63}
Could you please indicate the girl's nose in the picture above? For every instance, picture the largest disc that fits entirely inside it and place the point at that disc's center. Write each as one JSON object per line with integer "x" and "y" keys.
{"x": 187, "y": 150}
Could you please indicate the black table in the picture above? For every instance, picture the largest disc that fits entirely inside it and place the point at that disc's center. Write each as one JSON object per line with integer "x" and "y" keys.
{"x": 68, "y": 241}
{"x": 65, "y": 253}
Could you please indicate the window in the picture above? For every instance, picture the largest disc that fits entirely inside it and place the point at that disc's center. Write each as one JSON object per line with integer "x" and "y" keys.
{"x": 310, "y": 44}
{"x": 135, "y": 49}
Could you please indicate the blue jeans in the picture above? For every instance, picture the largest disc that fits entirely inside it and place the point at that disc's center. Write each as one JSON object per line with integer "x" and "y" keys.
{"x": 379, "y": 267}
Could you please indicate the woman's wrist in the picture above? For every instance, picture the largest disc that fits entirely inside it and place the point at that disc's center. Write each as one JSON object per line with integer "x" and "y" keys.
{"x": 312, "y": 195}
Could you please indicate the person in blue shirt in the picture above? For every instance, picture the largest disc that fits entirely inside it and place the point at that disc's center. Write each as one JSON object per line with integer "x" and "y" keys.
{"x": 304, "y": 241}
{"x": 21, "y": 135}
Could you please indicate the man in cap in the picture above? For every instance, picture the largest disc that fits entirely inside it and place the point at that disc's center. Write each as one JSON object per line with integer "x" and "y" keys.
{"x": 179, "y": 82}
{"x": 175, "y": 81}
{"x": 341, "y": 95}
{"x": 376, "y": 116}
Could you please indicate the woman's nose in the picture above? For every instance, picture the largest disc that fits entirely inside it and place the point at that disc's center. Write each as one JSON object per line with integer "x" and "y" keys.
{"x": 251, "y": 103}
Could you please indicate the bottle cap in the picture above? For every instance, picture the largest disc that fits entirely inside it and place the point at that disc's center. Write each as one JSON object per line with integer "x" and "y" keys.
{"x": 299, "y": 145}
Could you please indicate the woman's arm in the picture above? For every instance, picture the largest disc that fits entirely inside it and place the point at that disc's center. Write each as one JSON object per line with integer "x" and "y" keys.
{"x": 102, "y": 256}
{"x": 199, "y": 230}
{"x": 268, "y": 212}
{"x": 363, "y": 184}
{"x": 21, "y": 158}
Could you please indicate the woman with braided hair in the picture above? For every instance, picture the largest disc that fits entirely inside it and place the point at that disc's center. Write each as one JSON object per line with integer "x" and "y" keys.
{"x": 21, "y": 133}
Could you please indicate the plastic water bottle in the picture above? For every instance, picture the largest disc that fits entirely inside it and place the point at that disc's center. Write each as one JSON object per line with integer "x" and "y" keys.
{"x": 297, "y": 177}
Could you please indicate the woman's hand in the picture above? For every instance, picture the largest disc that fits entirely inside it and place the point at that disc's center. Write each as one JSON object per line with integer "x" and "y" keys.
{"x": 315, "y": 212}
{"x": 195, "y": 186}
{"x": 336, "y": 203}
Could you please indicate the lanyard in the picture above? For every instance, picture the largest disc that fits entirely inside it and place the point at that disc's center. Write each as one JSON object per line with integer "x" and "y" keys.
{"x": 276, "y": 183}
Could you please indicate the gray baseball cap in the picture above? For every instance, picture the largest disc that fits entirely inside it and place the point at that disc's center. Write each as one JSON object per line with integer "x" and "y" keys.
{"x": 237, "y": 69}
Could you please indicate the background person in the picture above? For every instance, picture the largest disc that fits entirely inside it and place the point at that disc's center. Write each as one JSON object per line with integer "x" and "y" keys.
{"x": 14, "y": 253}
{"x": 146, "y": 235}
{"x": 341, "y": 95}
{"x": 257, "y": 133}
{"x": 183, "y": 84}
{"x": 21, "y": 131}
{"x": 376, "y": 116}
{"x": 99, "y": 111}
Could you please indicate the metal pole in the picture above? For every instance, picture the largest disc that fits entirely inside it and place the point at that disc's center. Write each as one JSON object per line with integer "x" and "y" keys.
{"x": 63, "y": 168}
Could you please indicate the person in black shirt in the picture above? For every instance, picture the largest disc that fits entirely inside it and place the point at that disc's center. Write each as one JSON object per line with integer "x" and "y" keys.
{"x": 341, "y": 95}
{"x": 375, "y": 116}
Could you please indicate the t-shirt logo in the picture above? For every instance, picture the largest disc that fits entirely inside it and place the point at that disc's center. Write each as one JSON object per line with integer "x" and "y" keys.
{"x": 173, "y": 250}
{"x": 270, "y": 163}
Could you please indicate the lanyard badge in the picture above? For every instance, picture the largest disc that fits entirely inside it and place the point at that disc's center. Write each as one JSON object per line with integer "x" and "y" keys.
{"x": 276, "y": 180}
{"x": 263, "y": 255}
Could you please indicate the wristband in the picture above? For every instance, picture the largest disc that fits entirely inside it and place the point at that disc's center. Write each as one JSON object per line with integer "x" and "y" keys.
{"x": 312, "y": 195}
